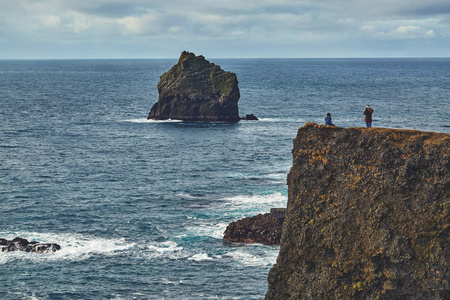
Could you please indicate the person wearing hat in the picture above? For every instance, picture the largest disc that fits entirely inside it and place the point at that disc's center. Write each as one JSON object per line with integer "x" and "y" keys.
{"x": 368, "y": 113}
{"x": 328, "y": 120}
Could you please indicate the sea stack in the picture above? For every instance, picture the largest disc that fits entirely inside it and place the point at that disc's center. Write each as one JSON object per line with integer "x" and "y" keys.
{"x": 368, "y": 216}
{"x": 197, "y": 90}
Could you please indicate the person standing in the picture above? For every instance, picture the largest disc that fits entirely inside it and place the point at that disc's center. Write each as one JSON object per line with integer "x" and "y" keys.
{"x": 328, "y": 120}
{"x": 368, "y": 113}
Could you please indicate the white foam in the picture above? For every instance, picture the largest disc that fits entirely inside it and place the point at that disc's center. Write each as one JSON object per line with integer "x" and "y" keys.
{"x": 200, "y": 257}
{"x": 272, "y": 200}
{"x": 281, "y": 120}
{"x": 170, "y": 282}
{"x": 73, "y": 246}
{"x": 167, "y": 249}
{"x": 152, "y": 121}
{"x": 208, "y": 229}
{"x": 187, "y": 196}
{"x": 244, "y": 256}
{"x": 279, "y": 176}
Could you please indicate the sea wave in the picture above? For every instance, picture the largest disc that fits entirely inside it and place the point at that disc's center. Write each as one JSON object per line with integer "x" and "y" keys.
{"x": 73, "y": 246}
{"x": 250, "y": 256}
{"x": 282, "y": 120}
{"x": 263, "y": 256}
{"x": 151, "y": 121}
{"x": 208, "y": 230}
{"x": 257, "y": 203}
{"x": 201, "y": 257}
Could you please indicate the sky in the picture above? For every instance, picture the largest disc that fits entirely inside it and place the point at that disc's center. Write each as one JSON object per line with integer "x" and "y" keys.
{"x": 76, "y": 29}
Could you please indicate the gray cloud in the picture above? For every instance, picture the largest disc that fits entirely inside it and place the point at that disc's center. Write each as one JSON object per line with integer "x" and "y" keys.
{"x": 224, "y": 28}
{"x": 114, "y": 10}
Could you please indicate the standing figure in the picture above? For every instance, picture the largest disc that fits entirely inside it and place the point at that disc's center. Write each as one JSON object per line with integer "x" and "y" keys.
{"x": 368, "y": 113}
{"x": 328, "y": 120}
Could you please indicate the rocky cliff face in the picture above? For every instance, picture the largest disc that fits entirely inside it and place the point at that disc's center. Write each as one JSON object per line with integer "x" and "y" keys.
{"x": 367, "y": 216}
{"x": 197, "y": 90}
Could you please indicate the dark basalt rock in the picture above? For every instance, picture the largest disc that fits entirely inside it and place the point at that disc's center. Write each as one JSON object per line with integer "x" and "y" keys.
{"x": 250, "y": 117}
{"x": 197, "y": 90}
{"x": 263, "y": 229}
{"x": 368, "y": 216}
{"x": 19, "y": 244}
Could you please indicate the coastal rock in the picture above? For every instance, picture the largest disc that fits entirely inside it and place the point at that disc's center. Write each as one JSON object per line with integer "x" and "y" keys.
{"x": 19, "y": 244}
{"x": 197, "y": 90}
{"x": 263, "y": 228}
{"x": 368, "y": 216}
{"x": 250, "y": 117}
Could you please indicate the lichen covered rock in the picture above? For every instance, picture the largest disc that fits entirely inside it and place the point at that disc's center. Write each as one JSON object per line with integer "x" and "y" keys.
{"x": 197, "y": 90}
{"x": 367, "y": 216}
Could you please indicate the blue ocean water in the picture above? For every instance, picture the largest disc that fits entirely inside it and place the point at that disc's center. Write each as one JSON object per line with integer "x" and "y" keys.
{"x": 139, "y": 207}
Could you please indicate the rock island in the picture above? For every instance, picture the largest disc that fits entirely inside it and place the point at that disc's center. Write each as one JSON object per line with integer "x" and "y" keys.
{"x": 197, "y": 90}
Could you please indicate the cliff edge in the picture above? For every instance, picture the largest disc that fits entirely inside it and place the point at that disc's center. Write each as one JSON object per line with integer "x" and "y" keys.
{"x": 367, "y": 216}
{"x": 197, "y": 90}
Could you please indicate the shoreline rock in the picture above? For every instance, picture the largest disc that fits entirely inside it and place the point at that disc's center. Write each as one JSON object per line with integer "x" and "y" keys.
{"x": 261, "y": 229}
{"x": 250, "y": 117}
{"x": 19, "y": 244}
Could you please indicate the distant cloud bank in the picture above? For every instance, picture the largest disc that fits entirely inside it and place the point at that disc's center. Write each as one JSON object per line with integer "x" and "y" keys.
{"x": 230, "y": 28}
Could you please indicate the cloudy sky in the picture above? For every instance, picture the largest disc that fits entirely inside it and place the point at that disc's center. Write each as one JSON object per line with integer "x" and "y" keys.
{"x": 224, "y": 28}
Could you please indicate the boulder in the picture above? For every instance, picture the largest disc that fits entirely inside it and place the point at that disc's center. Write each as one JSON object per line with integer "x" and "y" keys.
{"x": 250, "y": 117}
{"x": 368, "y": 216}
{"x": 197, "y": 90}
{"x": 19, "y": 244}
{"x": 262, "y": 229}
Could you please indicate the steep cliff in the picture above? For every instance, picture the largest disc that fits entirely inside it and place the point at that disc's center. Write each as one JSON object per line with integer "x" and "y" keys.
{"x": 367, "y": 216}
{"x": 197, "y": 90}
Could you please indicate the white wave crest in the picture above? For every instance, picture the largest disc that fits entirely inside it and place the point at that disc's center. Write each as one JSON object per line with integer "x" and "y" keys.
{"x": 281, "y": 120}
{"x": 245, "y": 256}
{"x": 273, "y": 200}
{"x": 151, "y": 121}
{"x": 167, "y": 249}
{"x": 207, "y": 229}
{"x": 200, "y": 257}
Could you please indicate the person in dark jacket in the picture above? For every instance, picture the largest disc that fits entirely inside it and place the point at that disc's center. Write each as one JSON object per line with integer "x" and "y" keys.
{"x": 368, "y": 113}
{"x": 328, "y": 120}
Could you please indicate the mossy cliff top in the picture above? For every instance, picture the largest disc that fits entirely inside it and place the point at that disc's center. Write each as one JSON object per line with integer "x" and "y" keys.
{"x": 367, "y": 216}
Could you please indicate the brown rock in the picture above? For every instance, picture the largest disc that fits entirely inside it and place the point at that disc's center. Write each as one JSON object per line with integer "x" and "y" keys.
{"x": 262, "y": 229}
{"x": 197, "y": 90}
{"x": 368, "y": 216}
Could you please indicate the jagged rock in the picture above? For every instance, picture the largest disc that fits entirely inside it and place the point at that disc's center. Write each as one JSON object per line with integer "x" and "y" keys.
{"x": 197, "y": 90}
{"x": 250, "y": 117}
{"x": 368, "y": 216}
{"x": 263, "y": 228}
{"x": 19, "y": 244}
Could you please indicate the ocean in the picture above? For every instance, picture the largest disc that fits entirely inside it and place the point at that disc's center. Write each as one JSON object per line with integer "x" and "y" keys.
{"x": 139, "y": 207}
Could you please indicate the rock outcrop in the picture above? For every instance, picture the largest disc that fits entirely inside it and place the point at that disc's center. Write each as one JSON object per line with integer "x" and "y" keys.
{"x": 250, "y": 117}
{"x": 19, "y": 244}
{"x": 368, "y": 216}
{"x": 261, "y": 229}
{"x": 197, "y": 90}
